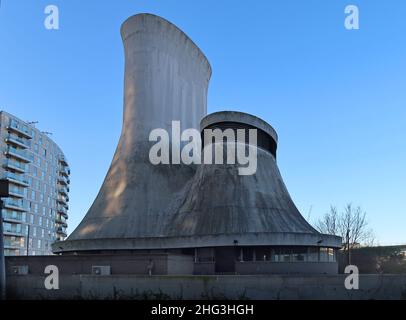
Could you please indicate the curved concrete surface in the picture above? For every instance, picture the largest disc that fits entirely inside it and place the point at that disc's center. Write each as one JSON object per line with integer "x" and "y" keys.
{"x": 166, "y": 79}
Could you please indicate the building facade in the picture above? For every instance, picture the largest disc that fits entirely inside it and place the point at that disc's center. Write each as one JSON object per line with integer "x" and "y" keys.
{"x": 36, "y": 213}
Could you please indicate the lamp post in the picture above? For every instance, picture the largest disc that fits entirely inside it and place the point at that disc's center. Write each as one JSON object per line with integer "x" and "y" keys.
{"x": 4, "y": 192}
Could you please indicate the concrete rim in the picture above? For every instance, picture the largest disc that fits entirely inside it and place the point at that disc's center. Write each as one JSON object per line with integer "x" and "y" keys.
{"x": 240, "y": 117}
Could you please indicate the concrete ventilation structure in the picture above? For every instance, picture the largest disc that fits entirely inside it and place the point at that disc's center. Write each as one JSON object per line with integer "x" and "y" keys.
{"x": 224, "y": 222}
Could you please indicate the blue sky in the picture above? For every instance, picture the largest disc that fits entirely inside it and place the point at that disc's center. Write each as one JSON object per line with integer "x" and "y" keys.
{"x": 337, "y": 98}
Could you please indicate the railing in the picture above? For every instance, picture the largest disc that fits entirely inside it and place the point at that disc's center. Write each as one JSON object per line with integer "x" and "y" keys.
{"x": 62, "y": 209}
{"x": 18, "y": 140}
{"x": 63, "y": 180}
{"x": 63, "y": 160}
{"x": 16, "y": 203}
{"x": 20, "y": 128}
{"x": 15, "y": 177}
{"x": 61, "y": 230}
{"x": 15, "y": 164}
{"x": 61, "y": 219}
{"x": 64, "y": 170}
{"x": 63, "y": 190}
{"x": 13, "y": 215}
{"x": 13, "y": 243}
{"x": 17, "y": 191}
{"x": 28, "y": 156}
{"x": 13, "y": 228}
{"x": 62, "y": 199}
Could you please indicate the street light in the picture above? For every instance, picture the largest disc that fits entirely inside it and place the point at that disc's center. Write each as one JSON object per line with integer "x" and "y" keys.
{"x": 4, "y": 192}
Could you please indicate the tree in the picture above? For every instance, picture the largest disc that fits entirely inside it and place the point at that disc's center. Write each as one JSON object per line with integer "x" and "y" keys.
{"x": 350, "y": 224}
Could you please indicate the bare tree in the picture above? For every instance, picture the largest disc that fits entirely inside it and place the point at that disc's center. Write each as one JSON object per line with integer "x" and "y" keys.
{"x": 329, "y": 223}
{"x": 350, "y": 224}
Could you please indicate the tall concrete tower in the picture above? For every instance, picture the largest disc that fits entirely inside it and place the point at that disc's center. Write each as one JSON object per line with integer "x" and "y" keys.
{"x": 166, "y": 79}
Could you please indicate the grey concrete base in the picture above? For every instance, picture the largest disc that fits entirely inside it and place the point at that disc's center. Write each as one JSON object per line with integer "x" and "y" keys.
{"x": 207, "y": 287}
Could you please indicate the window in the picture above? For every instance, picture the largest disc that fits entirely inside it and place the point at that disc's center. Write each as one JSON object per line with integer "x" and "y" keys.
{"x": 323, "y": 255}
{"x": 331, "y": 255}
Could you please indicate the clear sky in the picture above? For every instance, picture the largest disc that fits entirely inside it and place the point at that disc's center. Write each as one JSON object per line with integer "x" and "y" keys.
{"x": 337, "y": 98}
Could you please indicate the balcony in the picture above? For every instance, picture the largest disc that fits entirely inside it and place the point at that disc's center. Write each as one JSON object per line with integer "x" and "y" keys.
{"x": 13, "y": 230}
{"x": 12, "y": 244}
{"x": 23, "y": 143}
{"x": 16, "y": 192}
{"x": 21, "y": 129}
{"x": 15, "y": 165}
{"x": 13, "y": 216}
{"x": 63, "y": 161}
{"x": 63, "y": 180}
{"x": 14, "y": 204}
{"x": 63, "y": 200}
{"x": 16, "y": 179}
{"x": 61, "y": 231}
{"x": 64, "y": 171}
{"x": 20, "y": 154}
{"x": 62, "y": 210}
{"x": 61, "y": 220}
{"x": 63, "y": 191}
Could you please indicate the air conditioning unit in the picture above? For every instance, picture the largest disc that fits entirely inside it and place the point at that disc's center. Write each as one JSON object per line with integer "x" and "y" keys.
{"x": 20, "y": 270}
{"x": 101, "y": 270}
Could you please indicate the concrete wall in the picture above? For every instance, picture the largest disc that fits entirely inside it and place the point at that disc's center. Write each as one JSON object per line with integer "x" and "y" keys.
{"x": 266, "y": 267}
{"x": 120, "y": 264}
{"x": 204, "y": 268}
{"x": 207, "y": 287}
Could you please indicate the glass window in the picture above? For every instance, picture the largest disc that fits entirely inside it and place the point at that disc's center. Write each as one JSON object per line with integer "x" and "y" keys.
{"x": 323, "y": 255}
{"x": 331, "y": 255}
